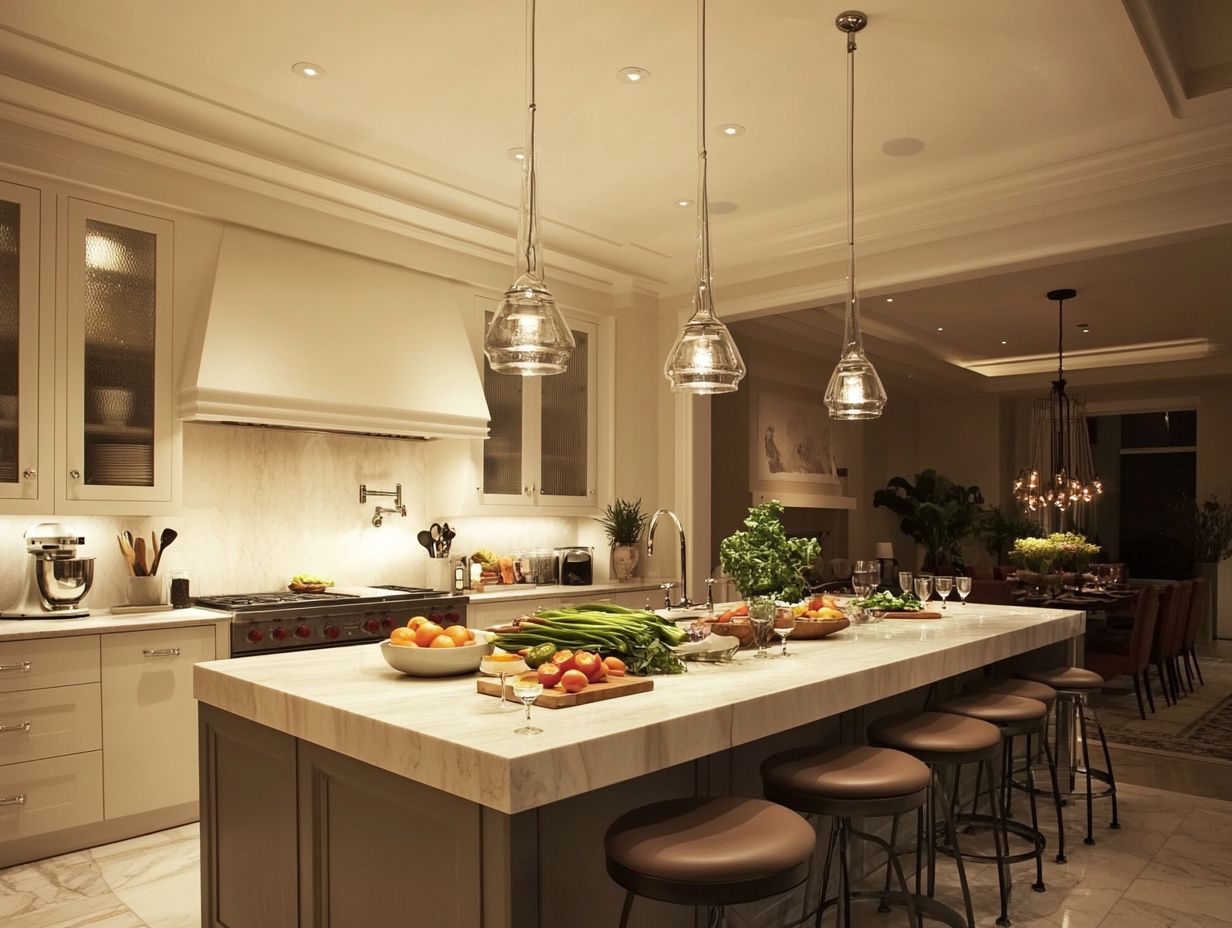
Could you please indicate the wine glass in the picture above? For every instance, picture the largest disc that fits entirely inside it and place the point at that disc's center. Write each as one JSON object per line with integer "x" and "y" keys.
{"x": 904, "y": 582}
{"x": 923, "y": 589}
{"x": 527, "y": 687}
{"x": 944, "y": 585}
{"x": 761, "y": 616}
{"x": 784, "y": 625}
{"x": 502, "y": 665}
{"x": 963, "y": 586}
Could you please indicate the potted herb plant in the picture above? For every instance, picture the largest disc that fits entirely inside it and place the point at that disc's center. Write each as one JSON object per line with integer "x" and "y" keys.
{"x": 624, "y": 522}
{"x": 762, "y": 561}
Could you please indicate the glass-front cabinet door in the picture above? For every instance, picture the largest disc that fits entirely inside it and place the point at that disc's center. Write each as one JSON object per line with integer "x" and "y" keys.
{"x": 19, "y": 341}
{"x": 118, "y": 355}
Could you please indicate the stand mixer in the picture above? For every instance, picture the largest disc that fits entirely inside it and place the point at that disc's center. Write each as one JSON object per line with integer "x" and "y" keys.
{"x": 58, "y": 579}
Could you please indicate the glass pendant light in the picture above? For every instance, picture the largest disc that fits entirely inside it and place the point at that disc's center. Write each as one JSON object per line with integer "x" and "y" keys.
{"x": 528, "y": 335}
{"x": 855, "y": 390}
{"x": 704, "y": 358}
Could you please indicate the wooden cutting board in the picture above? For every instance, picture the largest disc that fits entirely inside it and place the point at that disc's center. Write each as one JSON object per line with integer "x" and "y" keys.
{"x": 556, "y": 698}
{"x": 913, "y": 615}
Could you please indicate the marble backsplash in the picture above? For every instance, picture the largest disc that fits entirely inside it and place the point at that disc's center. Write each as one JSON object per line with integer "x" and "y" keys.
{"x": 261, "y": 505}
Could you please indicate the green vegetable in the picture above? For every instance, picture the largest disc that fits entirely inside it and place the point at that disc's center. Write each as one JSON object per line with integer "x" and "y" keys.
{"x": 540, "y": 654}
{"x": 763, "y": 561}
{"x": 889, "y": 602}
{"x": 641, "y": 639}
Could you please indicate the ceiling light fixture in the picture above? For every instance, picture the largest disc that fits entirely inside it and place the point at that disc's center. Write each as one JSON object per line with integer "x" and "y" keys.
{"x": 1060, "y": 445}
{"x": 633, "y": 75}
{"x": 731, "y": 130}
{"x": 704, "y": 358}
{"x": 889, "y": 299}
{"x": 684, "y": 203}
{"x": 528, "y": 335}
{"x": 308, "y": 69}
{"x": 855, "y": 390}
{"x": 516, "y": 154}
{"x": 940, "y": 328}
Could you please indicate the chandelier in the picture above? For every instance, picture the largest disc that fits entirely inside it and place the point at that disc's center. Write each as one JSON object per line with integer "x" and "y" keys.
{"x": 1060, "y": 471}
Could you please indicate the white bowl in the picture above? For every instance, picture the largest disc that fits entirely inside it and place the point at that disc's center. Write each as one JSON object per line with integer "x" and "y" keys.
{"x": 438, "y": 662}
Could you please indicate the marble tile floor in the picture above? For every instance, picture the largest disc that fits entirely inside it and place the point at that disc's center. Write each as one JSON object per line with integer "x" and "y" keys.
{"x": 1168, "y": 866}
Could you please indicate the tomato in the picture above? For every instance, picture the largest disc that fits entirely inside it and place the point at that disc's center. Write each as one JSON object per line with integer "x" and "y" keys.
{"x": 402, "y": 637}
{"x": 458, "y": 635}
{"x": 573, "y": 681}
{"x": 426, "y": 633}
{"x": 442, "y": 641}
{"x": 563, "y": 660}
{"x": 589, "y": 664}
{"x": 614, "y": 666}
{"x": 549, "y": 675}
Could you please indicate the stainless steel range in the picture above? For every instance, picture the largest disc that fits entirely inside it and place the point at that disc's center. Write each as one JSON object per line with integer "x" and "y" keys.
{"x": 266, "y": 623}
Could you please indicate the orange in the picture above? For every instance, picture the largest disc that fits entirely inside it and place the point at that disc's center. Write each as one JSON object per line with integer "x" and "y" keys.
{"x": 470, "y": 635}
{"x": 402, "y": 637}
{"x": 458, "y": 635}
{"x": 417, "y": 621}
{"x": 426, "y": 632}
{"x": 442, "y": 641}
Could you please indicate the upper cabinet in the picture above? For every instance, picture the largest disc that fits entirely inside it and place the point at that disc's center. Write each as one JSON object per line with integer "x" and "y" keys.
{"x": 542, "y": 449}
{"x": 86, "y": 423}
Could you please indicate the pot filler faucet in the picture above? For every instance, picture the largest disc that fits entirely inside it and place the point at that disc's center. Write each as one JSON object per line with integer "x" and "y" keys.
{"x": 685, "y": 602}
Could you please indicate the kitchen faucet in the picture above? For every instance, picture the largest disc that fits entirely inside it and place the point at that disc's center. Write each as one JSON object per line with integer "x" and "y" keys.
{"x": 685, "y": 602}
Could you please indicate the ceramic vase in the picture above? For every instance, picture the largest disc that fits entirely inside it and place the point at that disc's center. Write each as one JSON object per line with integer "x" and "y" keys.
{"x": 624, "y": 561}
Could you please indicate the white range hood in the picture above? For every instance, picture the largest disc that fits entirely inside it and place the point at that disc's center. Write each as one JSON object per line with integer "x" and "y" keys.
{"x": 307, "y": 337}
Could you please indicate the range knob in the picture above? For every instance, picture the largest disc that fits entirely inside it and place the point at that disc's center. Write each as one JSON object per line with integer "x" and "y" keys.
{"x": 435, "y": 617}
{"x": 303, "y": 631}
{"x": 255, "y": 635}
{"x": 387, "y": 622}
{"x": 452, "y": 618}
{"x": 332, "y": 632}
{"x": 372, "y": 625}
{"x": 279, "y": 633}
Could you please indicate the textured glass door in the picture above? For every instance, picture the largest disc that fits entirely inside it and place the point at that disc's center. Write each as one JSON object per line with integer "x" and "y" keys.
{"x": 503, "y": 453}
{"x": 119, "y": 320}
{"x": 19, "y": 344}
{"x": 567, "y": 426}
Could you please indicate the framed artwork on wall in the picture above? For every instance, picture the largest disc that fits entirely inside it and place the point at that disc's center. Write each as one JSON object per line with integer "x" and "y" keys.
{"x": 792, "y": 441}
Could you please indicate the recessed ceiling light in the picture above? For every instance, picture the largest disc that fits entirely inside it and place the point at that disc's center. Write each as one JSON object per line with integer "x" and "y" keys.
{"x": 731, "y": 130}
{"x": 308, "y": 69}
{"x": 683, "y": 203}
{"x": 1084, "y": 327}
{"x": 633, "y": 75}
{"x": 889, "y": 299}
{"x": 516, "y": 154}
{"x": 940, "y": 328}
{"x": 1004, "y": 342}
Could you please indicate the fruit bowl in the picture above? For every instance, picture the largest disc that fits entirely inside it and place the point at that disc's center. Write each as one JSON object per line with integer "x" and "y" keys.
{"x": 307, "y": 587}
{"x": 437, "y": 662}
{"x": 818, "y": 628}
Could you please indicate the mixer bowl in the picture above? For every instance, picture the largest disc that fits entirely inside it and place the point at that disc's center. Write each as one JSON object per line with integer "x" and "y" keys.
{"x": 63, "y": 583}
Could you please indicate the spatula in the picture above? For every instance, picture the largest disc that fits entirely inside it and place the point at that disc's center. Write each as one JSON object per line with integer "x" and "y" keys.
{"x": 169, "y": 535}
{"x": 127, "y": 550}
{"x": 139, "y": 567}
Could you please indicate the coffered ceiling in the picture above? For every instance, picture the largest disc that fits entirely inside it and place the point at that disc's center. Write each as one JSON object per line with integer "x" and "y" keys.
{"x": 1003, "y": 148}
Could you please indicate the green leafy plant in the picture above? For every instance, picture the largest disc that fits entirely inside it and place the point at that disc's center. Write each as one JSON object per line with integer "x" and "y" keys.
{"x": 1064, "y": 550}
{"x": 762, "y": 561}
{"x": 624, "y": 522}
{"x": 937, "y": 513}
{"x": 1000, "y": 529}
{"x": 1211, "y": 530}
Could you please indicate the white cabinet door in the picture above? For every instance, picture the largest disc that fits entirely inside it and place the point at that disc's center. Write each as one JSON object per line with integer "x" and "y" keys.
{"x": 485, "y": 615}
{"x": 150, "y": 717}
{"x": 19, "y": 345}
{"x": 116, "y": 349}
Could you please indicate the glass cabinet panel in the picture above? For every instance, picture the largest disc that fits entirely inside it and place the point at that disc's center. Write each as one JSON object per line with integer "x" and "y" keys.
{"x": 563, "y": 439}
{"x": 19, "y": 347}
{"x": 502, "y": 452}
{"x": 10, "y": 336}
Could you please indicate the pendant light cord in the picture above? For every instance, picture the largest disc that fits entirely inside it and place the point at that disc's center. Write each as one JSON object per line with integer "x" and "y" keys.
{"x": 851, "y": 168}
{"x": 1061, "y": 343}
{"x": 532, "y": 192}
{"x": 703, "y": 198}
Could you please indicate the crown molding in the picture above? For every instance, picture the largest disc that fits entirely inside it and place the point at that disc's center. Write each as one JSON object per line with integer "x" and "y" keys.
{"x": 1166, "y": 352}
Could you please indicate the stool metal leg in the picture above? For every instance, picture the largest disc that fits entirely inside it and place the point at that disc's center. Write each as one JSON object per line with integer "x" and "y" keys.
{"x": 844, "y": 874}
{"x": 1038, "y": 885}
{"x": 1103, "y": 741}
{"x": 626, "y": 909}
{"x": 952, "y": 832}
{"x": 825, "y": 873}
{"x": 1001, "y": 845}
{"x": 883, "y": 908}
{"x": 1056, "y": 800}
{"x": 892, "y": 861}
{"x": 1086, "y": 763}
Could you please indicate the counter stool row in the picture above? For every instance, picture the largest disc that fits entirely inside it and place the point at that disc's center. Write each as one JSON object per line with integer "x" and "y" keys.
{"x": 717, "y": 852}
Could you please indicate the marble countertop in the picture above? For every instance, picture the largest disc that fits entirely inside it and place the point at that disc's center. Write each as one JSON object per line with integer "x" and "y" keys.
{"x": 443, "y": 733}
{"x": 511, "y": 592}
{"x": 101, "y": 621}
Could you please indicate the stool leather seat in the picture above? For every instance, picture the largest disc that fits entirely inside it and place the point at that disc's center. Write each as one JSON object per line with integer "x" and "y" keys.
{"x": 935, "y": 734}
{"x": 1028, "y": 689}
{"x": 696, "y": 842}
{"x": 1066, "y": 678}
{"x": 846, "y": 772}
{"x": 998, "y": 708}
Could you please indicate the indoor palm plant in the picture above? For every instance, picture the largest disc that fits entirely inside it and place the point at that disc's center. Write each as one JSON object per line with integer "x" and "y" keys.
{"x": 624, "y": 522}
{"x": 937, "y": 513}
{"x": 1210, "y": 531}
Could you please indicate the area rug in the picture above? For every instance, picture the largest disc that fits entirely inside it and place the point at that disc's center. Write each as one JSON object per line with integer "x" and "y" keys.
{"x": 1200, "y": 724}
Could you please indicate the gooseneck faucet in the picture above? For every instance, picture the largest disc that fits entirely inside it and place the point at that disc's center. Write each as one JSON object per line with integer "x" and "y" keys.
{"x": 685, "y": 602}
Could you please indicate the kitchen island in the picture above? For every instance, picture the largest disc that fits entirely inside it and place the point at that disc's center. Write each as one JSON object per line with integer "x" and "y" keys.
{"x": 360, "y": 794}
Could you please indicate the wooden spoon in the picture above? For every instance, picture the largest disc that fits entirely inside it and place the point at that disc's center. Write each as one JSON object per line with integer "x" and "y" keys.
{"x": 127, "y": 550}
{"x": 139, "y": 551}
{"x": 169, "y": 535}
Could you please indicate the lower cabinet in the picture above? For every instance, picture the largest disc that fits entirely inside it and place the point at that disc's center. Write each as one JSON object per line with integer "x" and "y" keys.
{"x": 42, "y": 796}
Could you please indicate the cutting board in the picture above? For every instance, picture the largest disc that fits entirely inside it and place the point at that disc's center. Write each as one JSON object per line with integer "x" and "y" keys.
{"x": 557, "y": 698}
{"x": 913, "y": 615}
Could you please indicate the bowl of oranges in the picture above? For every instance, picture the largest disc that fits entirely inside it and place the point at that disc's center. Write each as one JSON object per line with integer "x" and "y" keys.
{"x": 424, "y": 649}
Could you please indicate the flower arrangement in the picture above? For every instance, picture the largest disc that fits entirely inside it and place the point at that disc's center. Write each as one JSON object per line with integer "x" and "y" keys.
{"x": 1066, "y": 551}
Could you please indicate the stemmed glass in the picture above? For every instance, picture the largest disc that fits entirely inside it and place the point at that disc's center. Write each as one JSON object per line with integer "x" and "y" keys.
{"x": 527, "y": 687}
{"x": 923, "y": 589}
{"x": 963, "y": 586}
{"x": 944, "y": 585}
{"x": 502, "y": 665}
{"x": 784, "y": 625}
{"x": 904, "y": 582}
{"x": 761, "y": 615}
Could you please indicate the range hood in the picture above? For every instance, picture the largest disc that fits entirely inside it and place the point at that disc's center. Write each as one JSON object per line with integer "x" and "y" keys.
{"x": 307, "y": 337}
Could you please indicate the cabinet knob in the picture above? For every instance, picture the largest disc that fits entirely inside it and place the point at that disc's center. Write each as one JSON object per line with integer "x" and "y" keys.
{"x": 29, "y": 473}
{"x": 75, "y": 474}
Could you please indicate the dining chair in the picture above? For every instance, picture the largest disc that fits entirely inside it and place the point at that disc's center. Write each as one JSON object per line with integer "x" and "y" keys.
{"x": 1134, "y": 656}
{"x": 1169, "y": 636}
{"x": 992, "y": 592}
{"x": 1199, "y": 598}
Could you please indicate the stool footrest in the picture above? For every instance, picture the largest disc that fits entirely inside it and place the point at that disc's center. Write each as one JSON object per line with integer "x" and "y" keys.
{"x": 1019, "y": 829}
{"x": 926, "y": 906}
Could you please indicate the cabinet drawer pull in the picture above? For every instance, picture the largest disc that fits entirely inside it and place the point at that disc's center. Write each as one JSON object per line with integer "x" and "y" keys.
{"x": 18, "y": 800}
{"x": 161, "y": 652}
{"x": 20, "y": 666}
{"x": 15, "y": 726}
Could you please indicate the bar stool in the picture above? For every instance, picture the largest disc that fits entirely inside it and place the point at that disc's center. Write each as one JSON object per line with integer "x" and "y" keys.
{"x": 944, "y": 741}
{"x": 1013, "y": 715}
{"x": 855, "y": 781}
{"x": 1029, "y": 689}
{"x": 708, "y": 852}
{"x": 1073, "y": 686}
